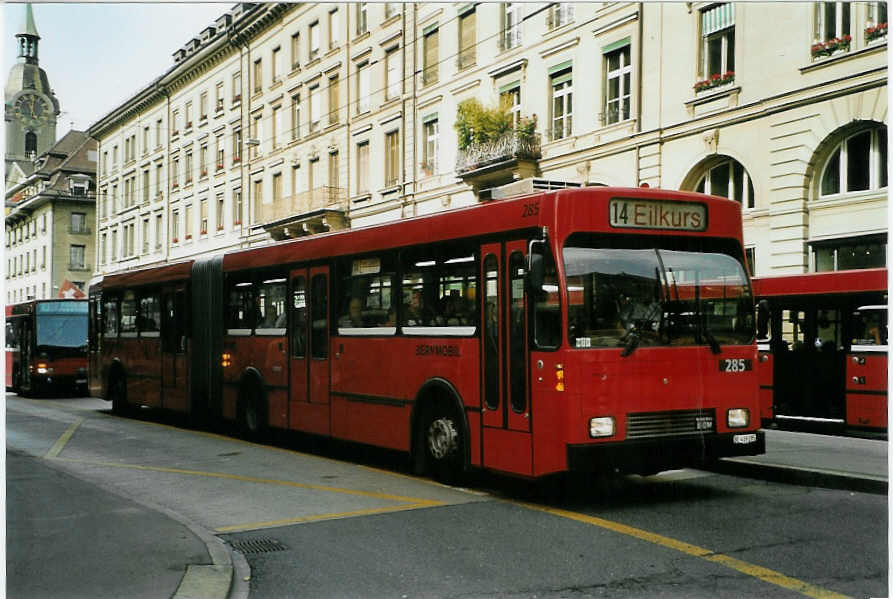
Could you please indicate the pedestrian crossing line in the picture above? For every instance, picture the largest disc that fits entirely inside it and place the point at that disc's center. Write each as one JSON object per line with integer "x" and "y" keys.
{"x": 764, "y": 574}
{"x": 60, "y": 443}
{"x": 266, "y": 481}
{"x": 318, "y": 517}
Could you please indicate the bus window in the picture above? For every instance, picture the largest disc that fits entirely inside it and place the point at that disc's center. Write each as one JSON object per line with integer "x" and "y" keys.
{"x": 793, "y": 323}
{"x": 439, "y": 291}
{"x": 128, "y": 314}
{"x": 299, "y": 317}
{"x": 319, "y": 307}
{"x": 149, "y": 315}
{"x": 828, "y": 330}
{"x": 240, "y": 307}
{"x": 110, "y": 318}
{"x": 271, "y": 315}
{"x": 517, "y": 333}
{"x": 491, "y": 331}
{"x": 367, "y": 306}
{"x": 547, "y": 307}
{"x": 12, "y": 339}
{"x": 870, "y": 326}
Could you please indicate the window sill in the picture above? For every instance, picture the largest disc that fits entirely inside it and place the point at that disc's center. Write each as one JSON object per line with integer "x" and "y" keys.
{"x": 729, "y": 92}
{"x": 363, "y": 197}
{"x": 876, "y": 46}
{"x": 391, "y": 20}
{"x": 389, "y": 189}
{"x": 276, "y": 84}
{"x": 361, "y": 37}
{"x": 313, "y": 62}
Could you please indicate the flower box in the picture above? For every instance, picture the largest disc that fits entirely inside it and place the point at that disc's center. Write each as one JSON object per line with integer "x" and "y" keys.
{"x": 204, "y": 173}
{"x": 237, "y": 222}
{"x": 204, "y": 232}
{"x": 175, "y": 185}
{"x": 237, "y": 97}
{"x": 219, "y": 165}
{"x": 175, "y": 132}
{"x": 821, "y": 49}
{"x": 188, "y": 237}
{"x": 175, "y": 240}
{"x": 237, "y": 159}
{"x": 715, "y": 80}
{"x": 188, "y": 180}
{"x": 220, "y": 227}
{"x": 188, "y": 124}
{"x": 876, "y": 32}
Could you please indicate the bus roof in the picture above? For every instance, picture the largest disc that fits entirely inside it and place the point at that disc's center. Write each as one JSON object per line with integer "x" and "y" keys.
{"x": 840, "y": 281}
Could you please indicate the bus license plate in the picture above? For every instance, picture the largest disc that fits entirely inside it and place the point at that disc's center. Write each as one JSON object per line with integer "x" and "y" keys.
{"x": 744, "y": 439}
{"x": 735, "y": 365}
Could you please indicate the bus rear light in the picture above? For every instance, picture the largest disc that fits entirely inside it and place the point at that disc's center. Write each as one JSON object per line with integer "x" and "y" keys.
{"x": 738, "y": 417}
{"x": 226, "y": 360}
{"x": 601, "y": 427}
{"x": 559, "y": 377}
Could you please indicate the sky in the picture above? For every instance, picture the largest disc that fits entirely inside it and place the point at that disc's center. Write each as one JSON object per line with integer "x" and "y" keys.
{"x": 98, "y": 55}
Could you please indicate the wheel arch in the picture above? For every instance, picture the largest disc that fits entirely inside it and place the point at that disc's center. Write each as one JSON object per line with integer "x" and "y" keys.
{"x": 434, "y": 390}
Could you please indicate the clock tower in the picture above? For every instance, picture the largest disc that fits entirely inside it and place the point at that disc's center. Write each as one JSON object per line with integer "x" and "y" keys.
{"x": 31, "y": 107}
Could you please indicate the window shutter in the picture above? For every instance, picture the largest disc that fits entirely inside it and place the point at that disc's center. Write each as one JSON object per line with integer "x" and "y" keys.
{"x": 431, "y": 55}
{"x": 717, "y": 18}
{"x": 467, "y": 26}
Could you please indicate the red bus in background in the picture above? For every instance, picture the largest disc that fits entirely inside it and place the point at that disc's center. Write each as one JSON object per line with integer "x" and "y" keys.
{"x": 46, "y": 346}
{"x": 593, "y": 329}
{"x": 823, "y": 358}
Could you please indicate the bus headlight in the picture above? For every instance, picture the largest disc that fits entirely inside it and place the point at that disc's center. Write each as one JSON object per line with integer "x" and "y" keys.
{"x": 601, "y": 427}
{"x": 738, "y": 417}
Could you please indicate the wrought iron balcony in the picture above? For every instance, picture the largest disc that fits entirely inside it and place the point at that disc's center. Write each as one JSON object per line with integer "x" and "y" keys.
{"x": 318, "y": 209}
{"x": 508, "y": 148}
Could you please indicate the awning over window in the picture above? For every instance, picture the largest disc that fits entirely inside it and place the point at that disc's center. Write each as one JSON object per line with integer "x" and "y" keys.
{"x": 717, "y": 18}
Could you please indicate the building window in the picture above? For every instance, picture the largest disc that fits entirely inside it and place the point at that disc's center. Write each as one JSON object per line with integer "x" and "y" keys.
{"x": 159, "y": 231}
{"x": 237, "y": 207}
{"x": 203, "y": 106}
{"x": 511, "y": 26}
{"x": 510, "y": 98}
{"x": 295, "y": 51}
{"x": 257, "y": 75}
{"x": 203, "y": 160}
{"x": 363, "y": 87}
{"x": 218, "y": 213}
{"x": 718, "y": 42}
{"x": 334, "y": 171}
{"x": 431, "y": 133}
{"x": 187, "y": 222}
{"x": 391, "y": 9}
{"x": 258, "y": 192}
{"x": 362, "y": 13}
{"x": 467, "y": 39}
{"x": 560, "y": 14}
{"x": 187, "y": 114}
{"x": 237, "y": 146}
{"x": 334, "y": 96}
{"x": 869, "y": 251}
{"x": 314, "y": 40}
{"x": 430, "y": 43}
{"x": 103, "y": 248}
{"x": 276, "y": 123}
{"x": 203, "y": 216}
{"x": 876, "y": 21}
{"x": 237, "y": 87}
{"x": 78, "y": 222}
{"x": 276, "y": 68}
{"x": 334, "y": 29}
{"x": 832, "y": 21}
{"x": 562, "y": 103}
{"x": 858, "y": 163}
{"x": 295, "y": 116}
{"x": 277, "y": 188}
{"x": 175, "y": 227}
{"x": 218, "y": 97}
{"x": 145, "y": 140}
{"x": 315, "y": 107}
{"x": 218, "y": 147}
{"x": 187, "y": 167}
{"x": 363, "y": 167}
{"x": 313, "y": 173}
{"x": 394, "y": 77}
{"x": 76, "y": 256}
{"x": 618, "y": 73}
{"x": 256, "y": 141}
{"x": 727, "y": 178}
{"x": 145, "y": 235}
{"x": 392, "y": 158}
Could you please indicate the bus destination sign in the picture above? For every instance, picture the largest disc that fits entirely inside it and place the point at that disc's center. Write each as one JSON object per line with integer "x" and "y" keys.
{"x": 640, "y": 213}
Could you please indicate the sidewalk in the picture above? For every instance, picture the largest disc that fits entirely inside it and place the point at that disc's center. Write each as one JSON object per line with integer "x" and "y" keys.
{"x": 830, "y": 461}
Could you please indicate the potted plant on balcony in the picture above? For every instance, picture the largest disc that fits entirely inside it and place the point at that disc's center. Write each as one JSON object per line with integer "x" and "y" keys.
{"x": 715, "y": 80}
{"x": 490, "y": 135}
{"x": 875, "y": 32}
{"x": 820, "y": 49}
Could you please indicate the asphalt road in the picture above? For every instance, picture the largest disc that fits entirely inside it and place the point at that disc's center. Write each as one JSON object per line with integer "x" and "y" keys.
{"x": 332, "y": 520}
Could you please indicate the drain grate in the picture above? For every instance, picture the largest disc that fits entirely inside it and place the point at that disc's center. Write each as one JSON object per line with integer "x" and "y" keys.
{"x": 259, "y": 545}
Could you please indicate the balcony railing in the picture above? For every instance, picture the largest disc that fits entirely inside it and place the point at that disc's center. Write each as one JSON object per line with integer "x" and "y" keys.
{"x": 511, "y": 146}
{"x": 320, "y": 198}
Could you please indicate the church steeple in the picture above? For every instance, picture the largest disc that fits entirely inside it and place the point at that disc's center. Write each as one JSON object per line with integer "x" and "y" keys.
{"x": 28, "y": 38}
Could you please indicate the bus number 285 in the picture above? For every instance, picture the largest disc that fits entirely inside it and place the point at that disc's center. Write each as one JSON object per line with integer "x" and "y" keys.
{"x": 735, "y": 365}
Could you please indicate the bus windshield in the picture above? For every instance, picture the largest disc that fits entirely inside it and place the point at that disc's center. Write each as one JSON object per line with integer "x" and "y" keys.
{"x": 683, "y": 292}
{"x": 62, "y": 325}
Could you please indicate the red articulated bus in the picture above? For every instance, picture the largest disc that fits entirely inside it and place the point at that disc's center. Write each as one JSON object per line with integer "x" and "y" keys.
{"x": 46, "y": 346}
{"x": 580, "y": 329}
{"x": 823, "y": 355}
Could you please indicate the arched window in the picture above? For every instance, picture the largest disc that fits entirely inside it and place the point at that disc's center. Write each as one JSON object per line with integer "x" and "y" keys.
{"x": 30, "y": 143}
{"x": 858, "y": 163}
{"x": 729, "y": 179}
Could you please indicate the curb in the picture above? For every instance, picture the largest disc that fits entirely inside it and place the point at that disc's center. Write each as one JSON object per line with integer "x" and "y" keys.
{"x": 829, "y": 479}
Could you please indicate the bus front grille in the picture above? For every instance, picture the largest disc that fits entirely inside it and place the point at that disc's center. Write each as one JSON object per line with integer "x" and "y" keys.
{"x": 670, "y": 424}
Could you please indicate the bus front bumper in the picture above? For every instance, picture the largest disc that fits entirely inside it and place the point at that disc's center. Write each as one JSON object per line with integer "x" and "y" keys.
{"x": 647, "y": 456}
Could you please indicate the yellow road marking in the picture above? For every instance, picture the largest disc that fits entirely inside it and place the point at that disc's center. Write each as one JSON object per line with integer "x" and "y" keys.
{"x": 314, "y": 518}
{"x": 265, "y": 481}
{"x": 764, "y": 574}
{"x": 59, "y": 445}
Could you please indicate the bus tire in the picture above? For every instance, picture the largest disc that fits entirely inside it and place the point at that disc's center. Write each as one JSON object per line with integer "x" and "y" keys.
{"x": 444, "y": 442}
{"x": 118, "y": 394}
{"x": 252, "y": 412}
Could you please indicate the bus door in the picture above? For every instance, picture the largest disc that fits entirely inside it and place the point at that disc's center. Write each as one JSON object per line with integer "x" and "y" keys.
{"x": 505, "y": 402}
{"x": 308, "y": 403}
{"x": 174, "y": 366}
{"x": 94, "y": 347}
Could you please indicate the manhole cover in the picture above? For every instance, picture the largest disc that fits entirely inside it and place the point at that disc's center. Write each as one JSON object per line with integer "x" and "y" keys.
{"x": 261, "y": 545}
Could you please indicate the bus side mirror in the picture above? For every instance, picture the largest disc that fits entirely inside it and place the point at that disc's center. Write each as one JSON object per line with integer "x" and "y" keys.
{"x": 535, "y": 271}
{"x": 762, "y": 319}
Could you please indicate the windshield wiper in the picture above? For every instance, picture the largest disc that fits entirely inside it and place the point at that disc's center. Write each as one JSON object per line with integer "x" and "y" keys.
{"x": 711, "y": 340}
{"x": 632, "y": 342}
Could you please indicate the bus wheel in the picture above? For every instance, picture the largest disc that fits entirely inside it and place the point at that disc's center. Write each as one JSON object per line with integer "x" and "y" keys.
{"x": 444, "y": 445}
{"x": 118, "y": 392}
{"x": 252, "y": 417}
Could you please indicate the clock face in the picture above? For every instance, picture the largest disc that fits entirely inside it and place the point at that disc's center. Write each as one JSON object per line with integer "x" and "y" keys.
{"x": 32, "y": 109}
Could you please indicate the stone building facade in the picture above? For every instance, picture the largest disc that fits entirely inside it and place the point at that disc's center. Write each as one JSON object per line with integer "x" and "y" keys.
{"x": 280, "y": 120}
